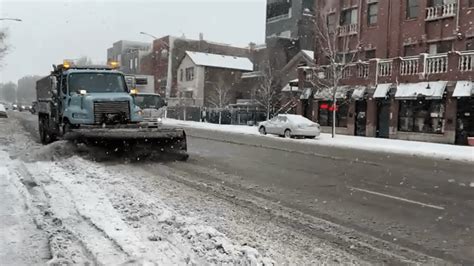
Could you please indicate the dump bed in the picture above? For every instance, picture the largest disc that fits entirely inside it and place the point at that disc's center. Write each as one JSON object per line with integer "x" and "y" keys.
{"x": 44, "y": 89}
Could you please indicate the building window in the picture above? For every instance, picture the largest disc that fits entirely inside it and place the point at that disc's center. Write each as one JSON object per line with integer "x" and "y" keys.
{"x": 433, "y": 3}
{"x": 325, "y": 113}
{"x": 131, "y": 63}
{"x": 470, "y": 44}
{"x": 189, "y": 73}
{"x": 372, "y": 13}
{"x": 136, "y": 63}
{"x": 331, "y": 20}
{"x": 308, "y": 5}
{"x": 187, "y": 94}
{"x": 410, "y": 50}
{"x": 181, "y": 74}
{"x": 369, "y": 54}
{"x": 278, "y": 9}
{"x": 349, "y": 17}
{"x": 423, "y": 116}
{"x": 471, "y": 3}
{"x": 440, "y": 47}
{"x": 412, "y": 9}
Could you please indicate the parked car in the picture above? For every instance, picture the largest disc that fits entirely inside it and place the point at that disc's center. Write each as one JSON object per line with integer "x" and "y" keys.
{"x": 15, "y": 107}
{"x": 290, "y": 126}
{"x": 3, "y": 111}
{"x": 34, "y": 108}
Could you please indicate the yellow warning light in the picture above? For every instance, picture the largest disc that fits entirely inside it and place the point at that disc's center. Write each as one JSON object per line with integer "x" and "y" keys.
{"x": 66, "y": 64}
{"x": 114, "y": 64}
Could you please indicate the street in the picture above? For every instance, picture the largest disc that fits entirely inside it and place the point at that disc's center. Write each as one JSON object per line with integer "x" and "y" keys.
{"x": 292, "y": 204}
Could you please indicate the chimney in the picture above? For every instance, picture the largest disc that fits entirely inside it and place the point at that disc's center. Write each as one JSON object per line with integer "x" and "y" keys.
{"x": 201, "y": 36}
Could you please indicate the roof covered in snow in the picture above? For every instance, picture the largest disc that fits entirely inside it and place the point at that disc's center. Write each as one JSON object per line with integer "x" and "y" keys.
{"x": 220, "y": 61}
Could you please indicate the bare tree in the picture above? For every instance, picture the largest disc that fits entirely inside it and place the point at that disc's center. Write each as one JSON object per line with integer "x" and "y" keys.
{"x": 339, "y": 50}
{"x": 219, "y": 96}
{"x": 267, "y": 93}
{"x": 3, "y": 45}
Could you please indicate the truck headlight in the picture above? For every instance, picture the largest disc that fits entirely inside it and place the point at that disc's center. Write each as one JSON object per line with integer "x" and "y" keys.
{"x": 159, "y": 120}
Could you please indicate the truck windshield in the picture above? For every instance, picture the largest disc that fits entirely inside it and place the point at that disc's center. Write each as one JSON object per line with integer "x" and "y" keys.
{"x": 96, "y": 82}
{"x": 149, "y": 101}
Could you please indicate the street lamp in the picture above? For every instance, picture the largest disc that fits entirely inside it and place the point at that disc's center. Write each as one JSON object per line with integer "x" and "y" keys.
{"x": 148, "y": 34}
{"x": 12, "y": 19}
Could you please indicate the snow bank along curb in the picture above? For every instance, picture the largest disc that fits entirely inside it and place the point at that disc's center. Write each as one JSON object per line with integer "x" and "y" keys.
{"x": 403, "y": 147}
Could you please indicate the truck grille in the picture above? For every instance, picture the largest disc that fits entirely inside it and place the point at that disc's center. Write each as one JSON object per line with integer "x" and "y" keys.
{"x": 111, "y": 112}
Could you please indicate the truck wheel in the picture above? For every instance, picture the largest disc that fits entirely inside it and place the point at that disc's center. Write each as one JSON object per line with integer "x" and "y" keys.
{"x": 41, "y": 130}
{"x": 45, "y": 136}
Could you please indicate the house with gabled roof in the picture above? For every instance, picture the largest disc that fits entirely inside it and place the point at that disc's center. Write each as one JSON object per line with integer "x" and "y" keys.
{"x": 203, "y": 75}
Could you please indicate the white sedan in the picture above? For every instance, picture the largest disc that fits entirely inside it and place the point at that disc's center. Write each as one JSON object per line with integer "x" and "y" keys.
{"x": 290, "y": 126}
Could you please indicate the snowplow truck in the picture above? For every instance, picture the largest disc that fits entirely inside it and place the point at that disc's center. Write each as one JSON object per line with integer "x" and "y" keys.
{"x": 94, "y": 105}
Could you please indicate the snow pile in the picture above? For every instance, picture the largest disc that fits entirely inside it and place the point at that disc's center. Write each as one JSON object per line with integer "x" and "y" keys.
{"x": 412, "y": 148}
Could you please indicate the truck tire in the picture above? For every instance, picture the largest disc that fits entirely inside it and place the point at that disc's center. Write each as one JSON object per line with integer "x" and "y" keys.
{"x": 41, "y": 130}
{"x": 46, "y": 136}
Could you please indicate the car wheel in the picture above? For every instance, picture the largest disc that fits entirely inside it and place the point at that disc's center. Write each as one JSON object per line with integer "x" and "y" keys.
{"x": 287, "y": 134}
{"x": 262, "y": 131}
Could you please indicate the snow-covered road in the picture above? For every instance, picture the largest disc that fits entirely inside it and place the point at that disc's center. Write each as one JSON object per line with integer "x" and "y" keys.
{"x": 70, "y": 209}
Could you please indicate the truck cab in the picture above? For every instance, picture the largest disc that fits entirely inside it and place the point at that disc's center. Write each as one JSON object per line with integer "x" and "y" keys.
{"x": 74, "y": 97}
{"x": 94, "y": 96}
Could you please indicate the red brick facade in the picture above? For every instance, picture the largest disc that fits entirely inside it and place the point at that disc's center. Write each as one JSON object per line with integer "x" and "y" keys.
{"x": 407, "y": 41}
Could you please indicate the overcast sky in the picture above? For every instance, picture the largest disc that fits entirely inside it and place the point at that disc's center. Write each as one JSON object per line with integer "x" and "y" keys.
{"x": 54, "y": 30}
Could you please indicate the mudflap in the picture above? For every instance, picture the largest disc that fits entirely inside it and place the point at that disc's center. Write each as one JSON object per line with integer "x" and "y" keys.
{"x": 152, "y": 143}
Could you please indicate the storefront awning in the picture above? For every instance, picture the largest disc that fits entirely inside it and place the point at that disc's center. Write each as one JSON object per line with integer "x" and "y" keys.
{"x": 428, "y": 90}
{"x": 464, "y": 89}
{"x": 359, "y": 93}
{"x": 326, "y": 93}
{"x": 306, "y": 94}
{"x": 382, "y": 90}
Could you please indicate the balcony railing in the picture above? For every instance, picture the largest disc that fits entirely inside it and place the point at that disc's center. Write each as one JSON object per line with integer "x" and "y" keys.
{"x": 350, "y": 29}
{"x": 385, "y": 68}
{"x": 363, "y": 70}
{"x": 466, "y": 61}
{"x": 436, "y": 64}
{"x": 409, "y": 66}
{"x": 437, "y": 12}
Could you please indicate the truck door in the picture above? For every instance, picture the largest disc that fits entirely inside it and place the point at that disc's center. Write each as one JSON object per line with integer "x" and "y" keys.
{"x": 64, "y": 96}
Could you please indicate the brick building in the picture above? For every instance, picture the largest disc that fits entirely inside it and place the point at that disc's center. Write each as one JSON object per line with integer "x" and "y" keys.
{"x": 168, "y": 51}
{"x": 129, "y": 55}
{"x": 412, "y": 74}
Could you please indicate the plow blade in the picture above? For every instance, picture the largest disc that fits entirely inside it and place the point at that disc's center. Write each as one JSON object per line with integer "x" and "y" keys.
{"x": 142, "y": 142}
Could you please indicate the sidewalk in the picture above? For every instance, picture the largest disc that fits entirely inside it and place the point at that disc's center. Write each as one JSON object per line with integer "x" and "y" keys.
{"x": 412, "y": 148}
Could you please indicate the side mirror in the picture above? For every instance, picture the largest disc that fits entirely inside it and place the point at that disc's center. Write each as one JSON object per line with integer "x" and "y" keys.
{"x": 166, "y": 103}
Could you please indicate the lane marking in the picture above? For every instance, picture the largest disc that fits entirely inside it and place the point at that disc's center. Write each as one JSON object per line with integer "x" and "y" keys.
{"x": 397, "y": 198}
